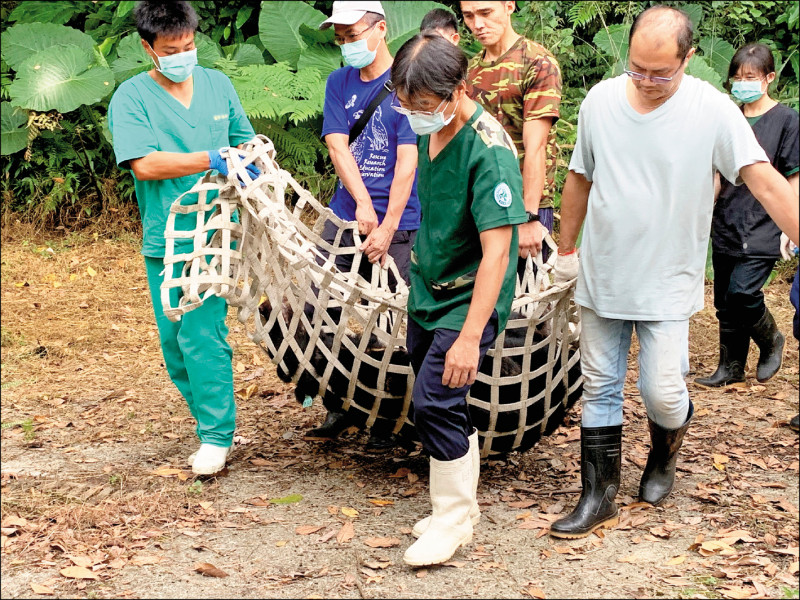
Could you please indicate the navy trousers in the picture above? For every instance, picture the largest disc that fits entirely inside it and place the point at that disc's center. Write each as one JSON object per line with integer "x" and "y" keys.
{"x": 440, "y": 413}
{"x": 737, "y": 289}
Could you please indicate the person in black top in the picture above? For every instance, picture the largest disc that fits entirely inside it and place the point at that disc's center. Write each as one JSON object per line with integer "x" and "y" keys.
{"x": 745, "y": 240}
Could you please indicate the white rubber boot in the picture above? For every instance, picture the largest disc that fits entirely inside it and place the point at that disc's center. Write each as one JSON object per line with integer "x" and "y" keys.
{"x": 474, "y": 511}
{"x": 210, "y": 459}
{"x": 450, "y": 526}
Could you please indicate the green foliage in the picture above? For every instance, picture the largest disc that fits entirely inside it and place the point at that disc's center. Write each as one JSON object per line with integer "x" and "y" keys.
{"x": 22, "y": 41}
{"x": 275, "y": 91}
{"x": 13, "y": 127}
{"x": 403, "y": 19}
{"x": 61, "y": 78}
{"x": 57, "y": 160}
{"x": 279, "y": 28}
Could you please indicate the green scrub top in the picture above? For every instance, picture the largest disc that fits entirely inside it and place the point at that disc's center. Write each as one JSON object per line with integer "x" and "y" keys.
{"x": 473, "y": 184}
{"x": 144, "y": 118}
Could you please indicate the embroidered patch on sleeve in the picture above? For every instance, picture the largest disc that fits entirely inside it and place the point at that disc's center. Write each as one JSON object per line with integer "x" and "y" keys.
{"x": 502, "y": 195}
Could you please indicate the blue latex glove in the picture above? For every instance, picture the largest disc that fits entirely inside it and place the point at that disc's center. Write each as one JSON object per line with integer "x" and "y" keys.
{"x": 217, "y": 162}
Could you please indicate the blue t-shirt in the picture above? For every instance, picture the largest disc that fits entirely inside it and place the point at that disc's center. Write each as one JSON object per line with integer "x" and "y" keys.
{"x": 144, "y": 118}
{"x": 375, "y": 150}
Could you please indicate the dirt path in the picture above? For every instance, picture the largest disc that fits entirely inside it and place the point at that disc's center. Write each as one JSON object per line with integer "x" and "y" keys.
{"x": 94, "y": 439}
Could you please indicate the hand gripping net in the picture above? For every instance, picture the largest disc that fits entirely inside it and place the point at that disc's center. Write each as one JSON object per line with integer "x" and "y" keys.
{"x": 335, "y": 324}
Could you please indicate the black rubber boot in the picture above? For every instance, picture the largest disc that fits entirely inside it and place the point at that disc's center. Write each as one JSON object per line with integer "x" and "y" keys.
{"x": 795, "y": 423}
{"x": 335, "y": 423}
{"x": 733, "y": 348}
{"x": 659, "y": 472}
{"x": 770, "y": 341}
{"x": 601, "y": 459}
{"x": 381, "y": 438}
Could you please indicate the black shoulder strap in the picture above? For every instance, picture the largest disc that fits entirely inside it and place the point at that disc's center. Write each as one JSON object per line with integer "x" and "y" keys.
{"x": 365, "y": 116}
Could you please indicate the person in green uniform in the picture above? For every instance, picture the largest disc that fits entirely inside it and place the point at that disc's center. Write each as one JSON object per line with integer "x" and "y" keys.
{"x": 463, "y": 272}
{"x": 169, "y": 125}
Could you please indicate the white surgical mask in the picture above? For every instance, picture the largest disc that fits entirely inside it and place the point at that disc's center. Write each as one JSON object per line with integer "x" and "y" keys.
{"x": 176, "y": 67}
{"x": 357, "y": 54}
{"x": 747, "y": 91}
{"x": 422, "y": 124}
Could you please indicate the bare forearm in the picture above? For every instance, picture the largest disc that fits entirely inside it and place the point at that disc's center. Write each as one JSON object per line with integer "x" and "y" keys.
{"x": 574, "y": 200}
{"x": 533, "y": 178}
{"x": 347, "y": 170}
{"x": 169, "y": 165}
{"x": 400, "y": 190}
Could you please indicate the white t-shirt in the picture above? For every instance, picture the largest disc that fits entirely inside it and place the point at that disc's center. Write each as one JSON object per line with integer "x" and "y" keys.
{"x": 648, "y": 221}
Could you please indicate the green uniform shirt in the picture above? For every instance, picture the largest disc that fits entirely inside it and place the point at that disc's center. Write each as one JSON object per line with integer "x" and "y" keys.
{"x": 472, "y": 185}
{"x": 144, "y": 118}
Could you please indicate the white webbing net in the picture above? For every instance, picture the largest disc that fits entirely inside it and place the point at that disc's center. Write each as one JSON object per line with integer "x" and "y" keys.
{"x": 335, "y": 323}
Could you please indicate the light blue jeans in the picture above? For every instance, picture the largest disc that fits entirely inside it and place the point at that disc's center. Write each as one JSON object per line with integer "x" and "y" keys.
{"x": 663, "y": 364}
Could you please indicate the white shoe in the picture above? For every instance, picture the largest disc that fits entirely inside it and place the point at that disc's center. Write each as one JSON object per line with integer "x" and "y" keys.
{"x": 210, "y": 459}
{"x": 450, "y": 526}
{"x": 474, "y": 511}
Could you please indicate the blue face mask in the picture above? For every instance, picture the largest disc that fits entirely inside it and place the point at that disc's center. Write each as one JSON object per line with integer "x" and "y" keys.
{"x": 357, "y": 54}
{"x": 176, "y": 67}
{"x": 428, "y": 124}
{"x": 747, "y": 91}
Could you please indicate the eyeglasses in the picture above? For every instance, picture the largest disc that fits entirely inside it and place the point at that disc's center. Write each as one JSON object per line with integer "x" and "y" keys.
{"x": 417, "y": 113}
{"x": 347, "y": 39}
{"x": 657, "y": 80}
{"x": 734, "y": 79}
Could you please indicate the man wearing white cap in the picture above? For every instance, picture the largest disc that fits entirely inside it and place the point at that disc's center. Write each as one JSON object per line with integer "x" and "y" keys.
{"x": 374, "y": 152}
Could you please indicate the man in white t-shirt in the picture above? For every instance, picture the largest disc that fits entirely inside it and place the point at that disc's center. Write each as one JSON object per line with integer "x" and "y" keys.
{"x": 642, "y": 177}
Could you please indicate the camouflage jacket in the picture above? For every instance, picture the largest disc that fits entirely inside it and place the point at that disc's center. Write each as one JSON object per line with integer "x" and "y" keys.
{"x": 522, "y": 85}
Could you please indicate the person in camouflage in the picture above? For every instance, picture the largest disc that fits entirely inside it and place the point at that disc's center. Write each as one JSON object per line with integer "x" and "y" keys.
{"x": 518, "y": 82}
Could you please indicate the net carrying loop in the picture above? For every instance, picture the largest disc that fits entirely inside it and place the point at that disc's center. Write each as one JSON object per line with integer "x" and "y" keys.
{"x": 334, "y": 323}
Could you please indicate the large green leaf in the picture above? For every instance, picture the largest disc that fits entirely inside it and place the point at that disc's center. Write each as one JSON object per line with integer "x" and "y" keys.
{"x": 613, "y": 41}
{"x": 132, "y": 58}
{"x": 403, "y": 19}
{"x": 13, "y": 129}
{"x": 55, "y": 11}
{"x": 208, "y": 51}
{"x": 279, "y": 28}
{"x": 60, "y": 78}
{"x": 698, "y": 67}
{"x": 695, "y": 12}
{"x": 718, "y": 53}
{"x": 248, "y": 54}
{"x": 325, "y": 59}
{"x": 22, "y": 41}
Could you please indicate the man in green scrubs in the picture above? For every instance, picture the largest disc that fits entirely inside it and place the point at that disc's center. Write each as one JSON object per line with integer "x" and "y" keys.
{"x": 463, "y": 274}
{"x": 169, "y": 125}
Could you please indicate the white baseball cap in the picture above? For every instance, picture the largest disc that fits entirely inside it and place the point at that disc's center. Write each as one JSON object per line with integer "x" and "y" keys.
{"x": 347, "y": 12}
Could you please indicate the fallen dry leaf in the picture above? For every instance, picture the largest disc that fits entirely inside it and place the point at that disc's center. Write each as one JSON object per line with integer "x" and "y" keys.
{"x": 382, "y": 542}
{"x": 81, "y": 561}
{"x": 41, "y": 590}
{"x": 143, "y": 559}
{"x": 307, "y": 529}
{"x": 166, "y": 472}
{"x": 209, "y": 570}
{"x": 13, "y": 521}
{"x": 736, "y": 592}
{"x": 630, "y": 558}
{"x": 676, "y": 560}
{"x": 401, "y": 472}
{"x": 381, "y": 502}
{"x": 349, "y": 512}
{"x": 346, "y": 533}
{"x": 79, "y": 573}
{"x": 535, "y": 592}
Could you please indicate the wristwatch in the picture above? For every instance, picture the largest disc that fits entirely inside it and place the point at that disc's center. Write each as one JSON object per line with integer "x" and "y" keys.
{"x": 532, "y": 216}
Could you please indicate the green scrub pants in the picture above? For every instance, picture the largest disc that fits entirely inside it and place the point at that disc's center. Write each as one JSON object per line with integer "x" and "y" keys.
{"x": 198, "y": 358}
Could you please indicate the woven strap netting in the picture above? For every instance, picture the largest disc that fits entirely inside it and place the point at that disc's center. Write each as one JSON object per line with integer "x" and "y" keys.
{"x": 334, "y": 323}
